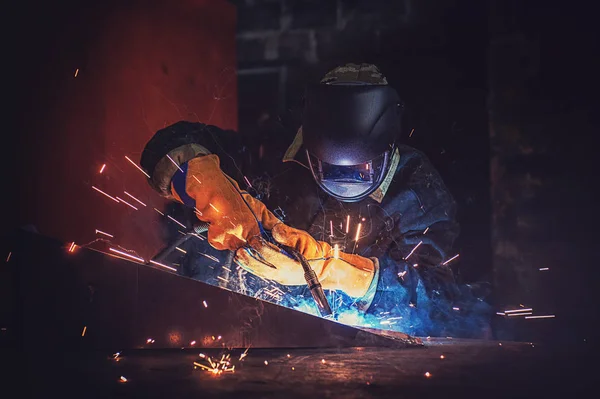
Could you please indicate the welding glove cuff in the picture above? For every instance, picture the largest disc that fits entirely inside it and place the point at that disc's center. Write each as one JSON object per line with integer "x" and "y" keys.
{"x": 232, "y": 214}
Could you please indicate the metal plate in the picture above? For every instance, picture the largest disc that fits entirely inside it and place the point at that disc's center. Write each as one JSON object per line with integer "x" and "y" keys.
{"x": 123, "y": 304}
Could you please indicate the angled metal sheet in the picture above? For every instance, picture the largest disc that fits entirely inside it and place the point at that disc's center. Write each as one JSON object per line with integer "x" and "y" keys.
{"x": 123, "y": 304}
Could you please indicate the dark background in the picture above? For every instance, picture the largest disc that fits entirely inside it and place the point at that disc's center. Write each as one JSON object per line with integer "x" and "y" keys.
{"x": 501, "y": 96}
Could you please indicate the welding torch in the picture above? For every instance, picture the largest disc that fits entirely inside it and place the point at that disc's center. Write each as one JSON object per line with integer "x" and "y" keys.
{"x": 312, "y": 281}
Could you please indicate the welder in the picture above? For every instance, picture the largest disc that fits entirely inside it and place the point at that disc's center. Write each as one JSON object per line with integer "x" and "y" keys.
{"x": 370, "y": 214}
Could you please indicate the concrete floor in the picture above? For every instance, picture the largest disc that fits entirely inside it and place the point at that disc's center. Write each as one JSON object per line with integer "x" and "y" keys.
{"x": 457, "y": 368}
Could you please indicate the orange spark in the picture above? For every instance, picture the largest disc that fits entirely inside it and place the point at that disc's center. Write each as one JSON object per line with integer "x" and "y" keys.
{"x": 175, "y": 163}
{"x": 102, "y": 192}
{"x": 450, "y": 260}
{"x": 518, "y": 310}
{"x": 134, "y": 164}
{"x": 76, "y": 73}
{"x": 8, "y": 257}
{"x": 102, "y": 168}
{"x": 213, "y": 207}
{"x": 127, "y": 255}
{"x": 84, "y": 330}
{"x": 161, "y": 265}
{"x": 347, "y": 224}
{"x": 414, "y": 249}
{"x": 519, "y": 314}
{"x": 411, "y": 132}
{"x": 159, "y": 212}
{"x": 106, "y": 234}
{"x": 179, "y": 223}
{"x": 126, "y": 203}
{"x": 131, "y": 196}
{"x": 358, "y": 232}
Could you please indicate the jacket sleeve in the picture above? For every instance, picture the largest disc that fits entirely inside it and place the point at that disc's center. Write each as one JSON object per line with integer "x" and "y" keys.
{"x": 228, "y": 145}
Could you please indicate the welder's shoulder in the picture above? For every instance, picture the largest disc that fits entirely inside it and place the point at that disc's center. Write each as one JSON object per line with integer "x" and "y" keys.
{"x": 214, "y": 138}
{"x": 417, "y": 176}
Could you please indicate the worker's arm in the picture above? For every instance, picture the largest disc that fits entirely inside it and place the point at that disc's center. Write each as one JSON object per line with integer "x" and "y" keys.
{"x": 197, "y": 170}
{"x": 185, "y": 140}
{"x": 422, "y": 237}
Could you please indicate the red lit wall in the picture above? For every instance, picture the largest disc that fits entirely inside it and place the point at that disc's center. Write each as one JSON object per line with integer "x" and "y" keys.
{"x": 138, "y": 68}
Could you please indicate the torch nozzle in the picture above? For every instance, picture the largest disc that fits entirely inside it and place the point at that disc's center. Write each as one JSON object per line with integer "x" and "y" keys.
{"x": 312, "y": 281}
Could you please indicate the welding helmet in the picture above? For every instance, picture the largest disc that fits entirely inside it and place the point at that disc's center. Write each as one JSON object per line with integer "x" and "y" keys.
{"x": 350, "y": 125}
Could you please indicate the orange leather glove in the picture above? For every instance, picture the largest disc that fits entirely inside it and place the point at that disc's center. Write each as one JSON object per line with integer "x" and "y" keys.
{"x": 352, "y": 274}
{"x": 232, "y": 220}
